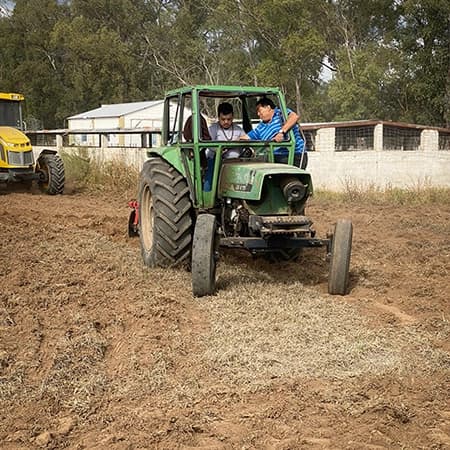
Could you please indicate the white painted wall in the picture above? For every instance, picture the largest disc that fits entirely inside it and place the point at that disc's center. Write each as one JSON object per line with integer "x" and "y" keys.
{"x": 335, "y": 171}
{"x": 150, "y": 117}
{"x": 145, "y": 118}
{"x": 81, "y": 124}
{"x": 429, "y": 140}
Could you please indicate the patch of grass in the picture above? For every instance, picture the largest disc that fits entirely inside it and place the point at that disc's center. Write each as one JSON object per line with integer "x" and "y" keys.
{"x": 263, "y": 330}
{"x": 418, "y": 194}
{"x": 89, "y": 175}
{"x": 76, "y": 375}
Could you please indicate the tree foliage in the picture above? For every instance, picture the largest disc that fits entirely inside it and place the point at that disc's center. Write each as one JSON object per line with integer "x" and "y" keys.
{"x": 389, "y": 59}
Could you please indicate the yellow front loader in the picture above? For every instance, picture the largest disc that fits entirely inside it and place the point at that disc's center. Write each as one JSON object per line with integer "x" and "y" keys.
{"x": 17, "y": 162}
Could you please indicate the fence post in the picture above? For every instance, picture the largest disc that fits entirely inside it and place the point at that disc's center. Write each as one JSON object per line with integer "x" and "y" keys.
{"x": 59, "y": 142}
{"x": 325, "y": 139}
{"x": 429, "y": 141}
{"x": 103, "y": 140}
{"x": 378, "y": 137}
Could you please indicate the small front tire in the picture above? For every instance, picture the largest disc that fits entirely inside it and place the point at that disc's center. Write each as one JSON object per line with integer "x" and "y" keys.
{"x": 204, "y": 256}
{"x": 341, "y": 248}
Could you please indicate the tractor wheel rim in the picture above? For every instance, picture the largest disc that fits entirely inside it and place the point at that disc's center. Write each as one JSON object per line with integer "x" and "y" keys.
{"x": 147, "y": 218}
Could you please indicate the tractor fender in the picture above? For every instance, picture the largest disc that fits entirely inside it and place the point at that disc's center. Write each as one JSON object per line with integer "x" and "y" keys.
{"x": 171, "y": 155}
{"x": 13, "y": 135}
{"x": 47, "y": 151}
{"x": 180, "y": 163}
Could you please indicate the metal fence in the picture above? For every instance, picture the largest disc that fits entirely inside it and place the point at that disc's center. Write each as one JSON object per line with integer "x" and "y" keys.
{"x": 329, "y": 137}
{"x": 405, "y": 139}
{"x": 96, "y": 138}
{"x": 354, "y": 138}
{"x": 309, "y": 137}
{"x": 444, "y": 141}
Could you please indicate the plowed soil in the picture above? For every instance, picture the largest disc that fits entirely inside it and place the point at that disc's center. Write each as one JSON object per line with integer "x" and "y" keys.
{"x": 99, "y": 352}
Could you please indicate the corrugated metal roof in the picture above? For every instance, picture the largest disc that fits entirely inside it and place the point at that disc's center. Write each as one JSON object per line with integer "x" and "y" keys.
{"x": 117, "y": 109}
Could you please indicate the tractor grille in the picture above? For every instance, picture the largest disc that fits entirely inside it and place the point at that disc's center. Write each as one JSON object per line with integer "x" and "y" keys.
{"x": 271, "y": 225}
{"x": 20, "y": 158}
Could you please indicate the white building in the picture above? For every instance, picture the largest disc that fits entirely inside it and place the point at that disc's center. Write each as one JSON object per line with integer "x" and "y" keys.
{"x": 115, "y": 119}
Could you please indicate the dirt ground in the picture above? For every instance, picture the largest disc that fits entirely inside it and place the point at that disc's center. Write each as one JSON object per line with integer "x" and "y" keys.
{"x": 99, "y": 352}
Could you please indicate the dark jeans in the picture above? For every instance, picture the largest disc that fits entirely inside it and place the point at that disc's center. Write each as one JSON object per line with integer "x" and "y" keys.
{"x": 297, "y": 159}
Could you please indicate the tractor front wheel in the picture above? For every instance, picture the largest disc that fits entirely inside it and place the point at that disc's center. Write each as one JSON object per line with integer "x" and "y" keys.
{"x": 165, "y": 223}
{"x": 51, "y": 168}
{"x": 341, "y": 248}
{"x": 204, "y": 256}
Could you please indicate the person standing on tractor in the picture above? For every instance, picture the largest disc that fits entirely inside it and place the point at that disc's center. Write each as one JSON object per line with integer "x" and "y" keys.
{"x": 273, "y": 128}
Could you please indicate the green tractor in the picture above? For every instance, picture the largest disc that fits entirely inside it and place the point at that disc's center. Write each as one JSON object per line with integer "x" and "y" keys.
{"x": 249, "y": 202}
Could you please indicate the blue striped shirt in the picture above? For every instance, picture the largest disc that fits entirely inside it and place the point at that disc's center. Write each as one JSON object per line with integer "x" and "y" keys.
{"x": 266, "y": 131}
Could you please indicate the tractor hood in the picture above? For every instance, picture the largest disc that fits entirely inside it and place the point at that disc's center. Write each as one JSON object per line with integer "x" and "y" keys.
{"x": 244, "y": 180}
{"x": 12, "y": 136}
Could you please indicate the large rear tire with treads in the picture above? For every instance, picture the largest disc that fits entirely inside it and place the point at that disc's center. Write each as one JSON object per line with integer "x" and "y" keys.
{"x": 165, "y": 221}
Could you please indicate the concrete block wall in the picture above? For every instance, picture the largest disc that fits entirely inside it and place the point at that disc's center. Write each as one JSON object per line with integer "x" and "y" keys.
{"x": 337, "y": 171}
{"x": 378, "y": 168}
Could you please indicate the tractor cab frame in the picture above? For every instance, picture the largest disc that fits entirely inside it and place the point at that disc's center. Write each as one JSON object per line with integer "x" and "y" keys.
{"x": 192, "y": 204}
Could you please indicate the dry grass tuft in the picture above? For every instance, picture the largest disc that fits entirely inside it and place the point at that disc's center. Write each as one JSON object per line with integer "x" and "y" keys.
{"x": 415, "y": 194}
{"x": 116, "y": 176}
{"x": 90, "y": 175}
{"x": 263, "y": 330}
{"x": 77, "y": 369}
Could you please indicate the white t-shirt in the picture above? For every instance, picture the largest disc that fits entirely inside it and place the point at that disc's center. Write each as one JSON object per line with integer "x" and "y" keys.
{"x": 218, "y": 133}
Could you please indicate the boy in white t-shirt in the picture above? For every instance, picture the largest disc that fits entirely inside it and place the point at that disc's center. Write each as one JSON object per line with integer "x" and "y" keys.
{"x": 223, "y": 130}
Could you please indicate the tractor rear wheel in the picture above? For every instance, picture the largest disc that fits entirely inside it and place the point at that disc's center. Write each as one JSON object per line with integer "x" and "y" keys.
{"x": 341, "y": 248}
{"x": 165, "y": 223}
{"x": 51, "y": 167}
{"x": 204, "y": 256}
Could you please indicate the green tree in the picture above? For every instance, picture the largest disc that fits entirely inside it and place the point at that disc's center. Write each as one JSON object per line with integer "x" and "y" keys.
{"x": 392, "y": 61}
{"x": 274, "y": 42}
{"x": 424, "y": 40}
{"x": 390, "y": 57}
{"x": 29, "y": 62}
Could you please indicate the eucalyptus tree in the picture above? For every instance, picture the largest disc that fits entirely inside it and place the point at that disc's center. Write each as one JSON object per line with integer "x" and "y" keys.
{"x": 392, "y": 60}
{"x": 29, "y": 61}
{"x": 272, "y": 42}
{"x": 424, "y": 41}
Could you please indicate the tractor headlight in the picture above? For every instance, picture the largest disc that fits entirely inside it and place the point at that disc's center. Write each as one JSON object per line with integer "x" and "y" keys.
{"x": 293, "y": 189}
